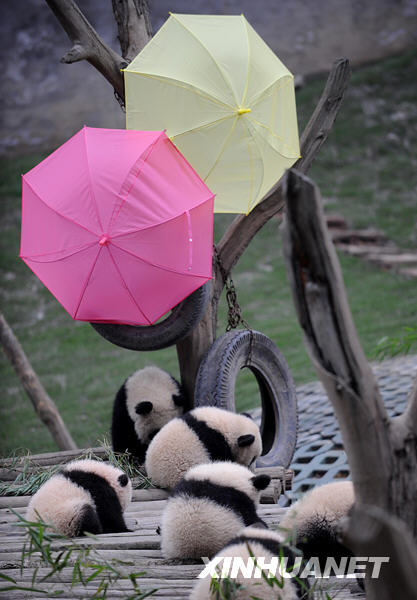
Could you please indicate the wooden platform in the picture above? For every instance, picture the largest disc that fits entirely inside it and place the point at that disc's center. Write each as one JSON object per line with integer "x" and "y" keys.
{"x": 140, "y": 548}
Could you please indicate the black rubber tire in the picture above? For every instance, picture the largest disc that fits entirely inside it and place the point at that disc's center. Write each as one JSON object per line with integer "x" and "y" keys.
{"x": 215, "y": 386}
{"x": 181, "y": 320}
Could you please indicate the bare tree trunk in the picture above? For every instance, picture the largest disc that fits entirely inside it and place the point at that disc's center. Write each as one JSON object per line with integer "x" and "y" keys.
{"x": 244, "y": 228}
{"x": 134, "y": 31}
{"x": 382, "y": 453}
{"x": 134, "y": 26}
{"x": 87, "y": 44}
{"x": 42, "y": 403}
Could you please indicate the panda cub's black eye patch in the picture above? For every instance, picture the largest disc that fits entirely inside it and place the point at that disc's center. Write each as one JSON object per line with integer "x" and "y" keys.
{"x": 123, "y": 480}
{"x": 143, "y": 408}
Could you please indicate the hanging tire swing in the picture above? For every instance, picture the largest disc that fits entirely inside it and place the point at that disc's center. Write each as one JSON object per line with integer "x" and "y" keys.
{"x": 215, "y": 386}
{"x": 181, "y": 320}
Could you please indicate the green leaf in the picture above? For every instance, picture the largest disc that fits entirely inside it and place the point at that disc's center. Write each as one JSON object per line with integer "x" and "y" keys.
{"x": 96, "y": 573}
{"x": 7, "y": 578}
{"x": 23, "y": 589}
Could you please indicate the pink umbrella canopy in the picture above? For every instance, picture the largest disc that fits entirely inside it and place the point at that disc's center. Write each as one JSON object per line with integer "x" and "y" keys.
{"x": 117, "y": 225}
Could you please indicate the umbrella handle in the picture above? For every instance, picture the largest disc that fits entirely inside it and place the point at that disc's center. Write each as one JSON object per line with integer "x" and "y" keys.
{"x": 215, "y": 386}
{"x": 181, "y": 320}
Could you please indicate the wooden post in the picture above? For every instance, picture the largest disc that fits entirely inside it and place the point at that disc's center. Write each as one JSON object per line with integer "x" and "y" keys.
{"x": 45, "y": 407}
{"x": 382, "y": 452}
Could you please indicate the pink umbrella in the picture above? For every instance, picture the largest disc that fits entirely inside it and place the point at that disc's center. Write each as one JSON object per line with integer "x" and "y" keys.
{"x": 117, "y": 225}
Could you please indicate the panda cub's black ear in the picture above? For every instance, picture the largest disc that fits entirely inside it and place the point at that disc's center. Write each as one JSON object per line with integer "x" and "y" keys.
{"x": 178, "y": 399}
{"x": 260, "y": 482}
{"x": 245, "y": 440}
{"x": 143, "y": 408}
{"x": 246, "y": 414}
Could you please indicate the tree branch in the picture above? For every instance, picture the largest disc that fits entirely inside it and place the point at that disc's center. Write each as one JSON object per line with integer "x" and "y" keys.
{"x": 323, "y": 312}
{"x": 242, "y": 230}
{"x": 404, "y": 427}
{"x": 410, "y": 414}
{"x": 133, "y": 24}
{"x": 42, "y": 403}
{"x": 87, "y": 44}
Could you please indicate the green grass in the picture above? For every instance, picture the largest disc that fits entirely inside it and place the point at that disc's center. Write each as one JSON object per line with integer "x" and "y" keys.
{"x": 366, "y": 171}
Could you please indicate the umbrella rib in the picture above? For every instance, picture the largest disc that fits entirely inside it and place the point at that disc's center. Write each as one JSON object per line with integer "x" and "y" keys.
{"x": 59, "y": 213}
{"x": 222, "y": 149}
{"x": 194, "y": 129}
{"x": 260, "y": 96}
{"x": 147, "y": 227}
{"x": 262, "y": 163}
{"x": 245, "y": 91}
{"x": 185, "y": 86}
{"x": 90, "y": 179}
{"x": 156, "y": 265}
{"x": 296, "y": 152}
{"x": 127, "y": 288}
{"x": 226, "y": 80}
{"x": 76, "y": 250}
{"x": 87, "y": 282}
{"x": 124, "y": 193}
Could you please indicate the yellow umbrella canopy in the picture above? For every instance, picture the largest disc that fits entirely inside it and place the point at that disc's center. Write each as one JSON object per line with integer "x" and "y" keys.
{"x": 225, "y": 100}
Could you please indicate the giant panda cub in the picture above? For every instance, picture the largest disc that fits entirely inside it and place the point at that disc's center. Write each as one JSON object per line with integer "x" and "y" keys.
{"x": 86, "y": 495}
{"x": 147, "y": 400}
{"x": 313, "y": 520}
{"x": 202, "y": 435}
{"x": 208, "y": 507}
{"x": 262, "y": 543}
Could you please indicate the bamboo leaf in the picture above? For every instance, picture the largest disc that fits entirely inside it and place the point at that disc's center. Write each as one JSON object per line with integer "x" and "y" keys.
{"x": 7, "y": 578}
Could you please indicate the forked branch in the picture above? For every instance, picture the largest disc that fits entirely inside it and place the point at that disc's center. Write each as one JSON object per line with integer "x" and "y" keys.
{"x": 134, "y": 31}
{"x": 244, "y": 228}
{"x": 332, "y": 342}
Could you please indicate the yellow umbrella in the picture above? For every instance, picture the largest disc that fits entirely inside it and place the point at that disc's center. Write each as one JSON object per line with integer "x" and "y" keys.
{"x": 225, "y": 100}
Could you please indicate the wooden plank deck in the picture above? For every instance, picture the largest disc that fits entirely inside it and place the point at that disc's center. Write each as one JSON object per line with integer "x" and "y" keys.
{"x": 140, "y": 548}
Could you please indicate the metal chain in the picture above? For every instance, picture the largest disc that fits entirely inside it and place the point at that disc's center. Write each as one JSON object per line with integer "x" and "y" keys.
{"x": 234, "y": 311}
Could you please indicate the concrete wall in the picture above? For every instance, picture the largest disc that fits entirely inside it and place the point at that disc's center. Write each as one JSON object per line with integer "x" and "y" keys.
{"x": 43, "y": 102}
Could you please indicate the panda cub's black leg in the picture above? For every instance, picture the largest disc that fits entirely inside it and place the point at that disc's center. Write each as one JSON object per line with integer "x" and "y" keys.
{"x": 108, "y": 509}
{"x": 88, "y": 521}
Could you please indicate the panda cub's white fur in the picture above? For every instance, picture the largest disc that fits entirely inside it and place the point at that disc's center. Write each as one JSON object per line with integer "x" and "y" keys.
{"x": 86, "y": 495}
{"x": 208, "y": 507}
{"x": 147, "y": 400}
{"x": 200, "y": 436}
{"x": 263, "y": 543}
{"x": 313, "y": 520}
